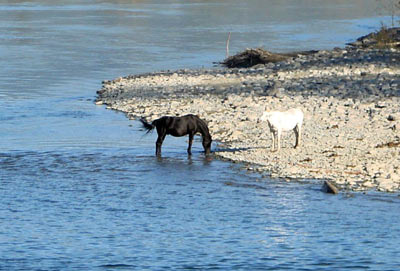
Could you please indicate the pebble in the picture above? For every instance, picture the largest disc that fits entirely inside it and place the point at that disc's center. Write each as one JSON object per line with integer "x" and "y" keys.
{"x": 349, "y": 96}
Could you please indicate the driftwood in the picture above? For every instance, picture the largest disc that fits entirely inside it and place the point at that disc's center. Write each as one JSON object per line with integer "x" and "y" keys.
{"x": 252, "y": 57}
{"x": 384, "y": 38}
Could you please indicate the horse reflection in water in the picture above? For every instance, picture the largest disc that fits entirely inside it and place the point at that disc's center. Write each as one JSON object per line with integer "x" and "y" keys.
{"x": 180, "y": 126}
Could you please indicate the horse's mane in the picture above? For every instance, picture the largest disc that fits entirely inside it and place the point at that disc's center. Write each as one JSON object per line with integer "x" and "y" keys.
{"x": 203, "y": 128}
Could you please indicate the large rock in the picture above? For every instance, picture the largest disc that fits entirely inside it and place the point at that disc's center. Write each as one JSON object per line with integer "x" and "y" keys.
{"x": 328, "y": 187}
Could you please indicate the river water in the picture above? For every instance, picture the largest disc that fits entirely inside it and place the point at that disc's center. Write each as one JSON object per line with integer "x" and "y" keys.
{"x": 80, "y": 188}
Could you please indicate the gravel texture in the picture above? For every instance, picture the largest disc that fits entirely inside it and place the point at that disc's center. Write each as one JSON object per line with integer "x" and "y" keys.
{"x": 350, "y": 98}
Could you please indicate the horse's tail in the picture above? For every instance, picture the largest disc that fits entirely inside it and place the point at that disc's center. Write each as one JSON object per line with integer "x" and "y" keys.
{"x": 148, "y": 126}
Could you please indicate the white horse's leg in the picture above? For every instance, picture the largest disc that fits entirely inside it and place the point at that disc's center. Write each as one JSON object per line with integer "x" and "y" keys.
{"x": 299, "y": 135}
{"x": 272, "y": 130}
{"x": 296, "y": 133}
{"x": 273, "y": 140}
{"x": 279, "y": 133}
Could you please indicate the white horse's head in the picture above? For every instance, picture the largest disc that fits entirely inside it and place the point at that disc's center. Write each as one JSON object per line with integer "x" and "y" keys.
{"x": 265, "y": 116}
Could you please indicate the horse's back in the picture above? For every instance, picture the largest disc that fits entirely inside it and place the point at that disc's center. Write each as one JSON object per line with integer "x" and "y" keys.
{"x": 192, "y": 120}
{"x": 293, "y": 118}
{"x": 296, "y": 114}
{"x": 178, "y": 126}
{"x": 162, "y": 122}
{"x": 286, "y": 120}
{"x": 190, "y": 117}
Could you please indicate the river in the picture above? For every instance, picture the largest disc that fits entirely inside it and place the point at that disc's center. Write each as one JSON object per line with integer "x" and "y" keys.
{"x": 80, "y": 188}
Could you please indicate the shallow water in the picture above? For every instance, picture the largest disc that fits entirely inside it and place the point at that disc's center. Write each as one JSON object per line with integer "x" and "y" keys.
{"x": 80, "y": 188}
{"x": 110, "y": 209}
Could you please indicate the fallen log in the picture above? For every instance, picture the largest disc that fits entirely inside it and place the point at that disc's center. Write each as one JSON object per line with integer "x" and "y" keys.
{"x": 252, "y": 57}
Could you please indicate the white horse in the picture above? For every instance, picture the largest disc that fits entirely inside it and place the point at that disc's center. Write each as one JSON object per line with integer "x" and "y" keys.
{"x": 279, "y": 122}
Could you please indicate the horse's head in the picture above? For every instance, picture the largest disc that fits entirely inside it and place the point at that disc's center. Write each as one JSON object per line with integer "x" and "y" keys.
{"x": 265, "y": 116}
{"x": 207, "y": 144}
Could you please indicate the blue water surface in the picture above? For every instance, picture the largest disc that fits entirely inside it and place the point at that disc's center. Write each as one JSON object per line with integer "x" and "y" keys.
{"x": 80, "y": 187}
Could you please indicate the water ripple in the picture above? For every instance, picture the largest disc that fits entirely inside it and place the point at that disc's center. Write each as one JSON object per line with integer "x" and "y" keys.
{"x": 80, "y": 188}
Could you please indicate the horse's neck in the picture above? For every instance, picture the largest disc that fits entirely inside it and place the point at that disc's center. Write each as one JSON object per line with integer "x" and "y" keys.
{"x": 203, "y": 129}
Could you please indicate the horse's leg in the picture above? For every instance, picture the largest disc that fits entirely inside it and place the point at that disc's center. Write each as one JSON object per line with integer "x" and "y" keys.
{"x": 273, "y": 140}
{"x": 279, "y": 134}
{"x": 189, "y": 150}
{"x": 297, "y": 132}
{"x": 160, "y": 139}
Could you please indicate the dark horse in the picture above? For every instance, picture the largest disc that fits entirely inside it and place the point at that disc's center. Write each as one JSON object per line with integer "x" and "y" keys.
{"x": 180, "y": 126}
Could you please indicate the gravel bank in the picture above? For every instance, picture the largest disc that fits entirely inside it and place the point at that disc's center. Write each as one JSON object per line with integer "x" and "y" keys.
{"x": 350, "y": 98}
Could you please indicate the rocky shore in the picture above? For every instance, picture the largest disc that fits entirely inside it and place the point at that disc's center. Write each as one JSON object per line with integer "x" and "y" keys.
{"x": 350, "y": 98}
